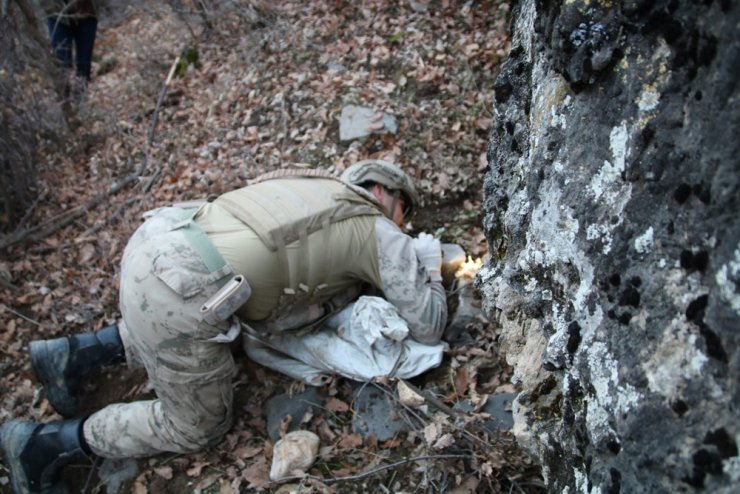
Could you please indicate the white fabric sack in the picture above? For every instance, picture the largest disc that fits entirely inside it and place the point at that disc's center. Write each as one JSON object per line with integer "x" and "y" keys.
{"x": 366, "y": 339}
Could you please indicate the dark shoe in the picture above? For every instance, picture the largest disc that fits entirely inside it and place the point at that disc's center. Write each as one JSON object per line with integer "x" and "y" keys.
{"x": 61, "y": 364}
{"x": 34, "y": 453}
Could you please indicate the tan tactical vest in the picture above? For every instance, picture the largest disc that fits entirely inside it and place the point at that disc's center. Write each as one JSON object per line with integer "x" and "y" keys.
{"x": 282, "y": 207}
{"x": 285, "y": 207}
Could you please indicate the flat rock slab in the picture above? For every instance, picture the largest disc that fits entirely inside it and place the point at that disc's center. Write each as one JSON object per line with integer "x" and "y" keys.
{"x": 498, "y": 407}
{"x": 377, "y": 414}
{"x": 359, "y": 121}
{"x": 280, "y": 406}
{"x": 117, "y": 474}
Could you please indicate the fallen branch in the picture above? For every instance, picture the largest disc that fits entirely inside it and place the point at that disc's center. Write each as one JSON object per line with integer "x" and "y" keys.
{"x": 155, "y": 117}
{"x": 32, "y": 321}
{"x": 437, "y": 403}
{"x": 372, "y": 471}
{"x": 39, "y": 232}
{"x": 99, "y": 226}
{"x": 8, "y": 285}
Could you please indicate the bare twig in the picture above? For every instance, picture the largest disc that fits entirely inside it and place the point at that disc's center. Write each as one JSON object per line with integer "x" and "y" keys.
{"x": 6, "y": 284}
{"x": 39, "y": 232}
{"x": 372, "y": 471}
{"x": 433, "y": 400}
{"x": 150, "y": 181}
{"x": 155, "y": 116}
{"x": 21, "y": 316}
{"x": 32, "y": 207}
{"x": 116, "y": 214}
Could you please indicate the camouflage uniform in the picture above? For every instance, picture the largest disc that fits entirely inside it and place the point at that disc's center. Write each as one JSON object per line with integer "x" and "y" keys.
{"x": 165, "y": 281}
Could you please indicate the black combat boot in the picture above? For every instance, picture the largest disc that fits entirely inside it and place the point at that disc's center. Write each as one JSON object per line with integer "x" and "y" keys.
{"x": 61, "y": 364}
{"x": 34, "y": 453}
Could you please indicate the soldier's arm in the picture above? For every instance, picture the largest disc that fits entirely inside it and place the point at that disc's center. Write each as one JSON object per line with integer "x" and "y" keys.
{"x": 406, "y": 284}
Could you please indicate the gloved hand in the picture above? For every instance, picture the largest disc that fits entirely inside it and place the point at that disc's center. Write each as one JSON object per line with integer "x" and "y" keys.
{"x": 429, "y": 251}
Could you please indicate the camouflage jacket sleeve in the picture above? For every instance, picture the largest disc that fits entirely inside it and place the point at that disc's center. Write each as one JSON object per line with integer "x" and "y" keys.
{"x": 406, "y": 284}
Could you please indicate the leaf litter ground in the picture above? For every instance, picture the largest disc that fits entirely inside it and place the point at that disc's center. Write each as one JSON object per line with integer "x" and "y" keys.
{"x": 261, "y": 87}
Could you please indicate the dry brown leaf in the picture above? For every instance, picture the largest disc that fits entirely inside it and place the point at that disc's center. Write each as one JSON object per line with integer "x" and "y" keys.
{"x": 164, "y": 472}
{"x": 391, "y": 443}
{"x": 431, "y": 433}
{"x": 140, "y": 484}
{"x": 467, "y": 486}
{"x": 225, "y": 487}
{"x": 444, "y": 441}
{"x": 86, "y": 254}
{"x": 9, "y": 332}
{"x": 207, "y": 481}
{"x": 257, "y": 474}
{"x": 196, "y": 468}
{"x": 350, "y": 441}
{"x": 325, "y": 432}
{"x": 140, "y": 488}
{"x": 462, "y": 381}
{"x": 247, "y": 451}
{"x": 336, "y": 405}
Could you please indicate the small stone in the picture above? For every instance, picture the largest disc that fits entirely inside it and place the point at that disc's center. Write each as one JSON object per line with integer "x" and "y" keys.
{"x": 408, "y": 396}
{"x": 336, "y": 67}
{"x": 359, "y": 121}
{"x": 293, "y": 454}
{"x": 118, "y": 474}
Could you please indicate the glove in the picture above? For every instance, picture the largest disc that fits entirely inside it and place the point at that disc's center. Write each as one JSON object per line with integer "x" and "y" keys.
{"x": 429, "y": 252}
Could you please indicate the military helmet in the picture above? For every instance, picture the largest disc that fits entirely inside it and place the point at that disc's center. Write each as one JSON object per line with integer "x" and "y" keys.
{"x": 386, "y": 174}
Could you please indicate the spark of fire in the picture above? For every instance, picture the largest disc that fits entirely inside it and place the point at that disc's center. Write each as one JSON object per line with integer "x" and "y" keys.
{"x": 469, "y": 269}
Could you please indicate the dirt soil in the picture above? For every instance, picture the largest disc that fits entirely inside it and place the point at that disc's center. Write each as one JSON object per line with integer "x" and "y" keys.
{"x": 253, "y": 89}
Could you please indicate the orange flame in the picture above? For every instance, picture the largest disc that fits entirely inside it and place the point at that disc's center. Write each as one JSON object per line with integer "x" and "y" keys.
{"x": 469, "y": 269}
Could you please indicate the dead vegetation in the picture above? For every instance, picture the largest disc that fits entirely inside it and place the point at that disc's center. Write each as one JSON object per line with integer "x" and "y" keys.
{"x": 254, "y": 86}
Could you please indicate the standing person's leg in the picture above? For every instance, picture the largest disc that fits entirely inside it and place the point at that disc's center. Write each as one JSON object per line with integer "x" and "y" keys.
{"x": 61, "y": 40}
{"x": 61, "y": 43}
{"x": 84, "y": 34}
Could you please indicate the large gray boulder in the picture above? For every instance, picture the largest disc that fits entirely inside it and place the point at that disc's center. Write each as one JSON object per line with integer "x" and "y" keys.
{"x": 612, "y": 216}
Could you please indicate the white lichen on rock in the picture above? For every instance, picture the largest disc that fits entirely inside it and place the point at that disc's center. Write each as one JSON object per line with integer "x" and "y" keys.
{"x": 727, "y": 278}
{"x": 610, "y": 397}
{"x": 675, "y": 360}
{"x": 644, "y": 243}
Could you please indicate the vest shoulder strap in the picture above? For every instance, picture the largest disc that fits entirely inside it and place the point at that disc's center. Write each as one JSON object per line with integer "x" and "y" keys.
{"x": 283, "y": 207}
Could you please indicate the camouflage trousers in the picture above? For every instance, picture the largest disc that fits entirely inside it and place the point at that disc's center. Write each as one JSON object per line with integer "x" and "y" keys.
{"x": 164, "y": 283}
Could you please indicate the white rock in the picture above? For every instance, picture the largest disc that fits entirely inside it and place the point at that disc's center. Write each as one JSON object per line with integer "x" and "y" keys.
{"x": 359, "y": 121}
{"x": 294, "y": 453}
{"x": 408, "y": 396}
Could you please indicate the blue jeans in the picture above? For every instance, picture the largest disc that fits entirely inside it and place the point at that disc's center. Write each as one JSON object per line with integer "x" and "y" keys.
{"x": 81, "y": 33}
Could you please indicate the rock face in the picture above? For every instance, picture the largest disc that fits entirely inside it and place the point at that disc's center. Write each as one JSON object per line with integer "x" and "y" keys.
{"x": 612, "y": 216}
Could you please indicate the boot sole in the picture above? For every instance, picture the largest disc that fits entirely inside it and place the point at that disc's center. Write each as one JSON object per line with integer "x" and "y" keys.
{"x": 56, "y": 390}
{"x": 14, "y": 436}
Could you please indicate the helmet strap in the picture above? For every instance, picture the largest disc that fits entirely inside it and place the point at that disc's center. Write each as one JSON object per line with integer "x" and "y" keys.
{"x": 394, "y": 204}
